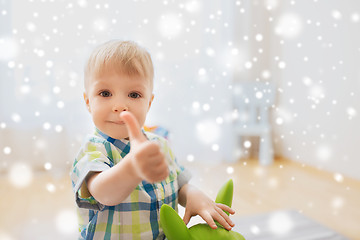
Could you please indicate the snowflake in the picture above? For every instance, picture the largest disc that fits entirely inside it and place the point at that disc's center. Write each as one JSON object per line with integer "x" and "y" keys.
{"x": 20, "y": 175}
{"x": 289, "y": 25}
{"x": 170, "y": 25}
{"x": 9, "y": 48}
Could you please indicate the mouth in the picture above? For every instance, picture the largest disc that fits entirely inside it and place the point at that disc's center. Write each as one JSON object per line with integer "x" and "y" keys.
{"x": 117, "y": 122}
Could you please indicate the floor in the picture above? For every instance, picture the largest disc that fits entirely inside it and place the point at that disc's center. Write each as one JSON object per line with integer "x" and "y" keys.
{"x": 283, "y": 225}
{"x": 45, "y": 208}
{"x": 329, "y": 199}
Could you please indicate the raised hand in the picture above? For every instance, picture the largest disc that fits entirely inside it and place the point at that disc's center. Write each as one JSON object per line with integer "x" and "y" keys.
{"x": 197, "y": 203}
{"x": 148, "y": 160}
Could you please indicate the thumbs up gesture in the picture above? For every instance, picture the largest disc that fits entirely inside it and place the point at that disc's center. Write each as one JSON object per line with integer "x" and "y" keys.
{"x": 148, "y": 160}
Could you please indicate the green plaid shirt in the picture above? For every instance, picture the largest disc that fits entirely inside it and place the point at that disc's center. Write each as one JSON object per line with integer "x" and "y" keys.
{"x": 137, "y": 217}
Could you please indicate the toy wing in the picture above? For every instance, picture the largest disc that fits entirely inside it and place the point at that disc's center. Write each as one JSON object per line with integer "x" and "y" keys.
{"x": 172, "y": 224}
{"x": 175, "y": 228}
{"x": 225, "y": 194}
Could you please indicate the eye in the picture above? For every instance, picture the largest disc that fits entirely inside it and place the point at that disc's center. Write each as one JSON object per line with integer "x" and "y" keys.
{"x": 134, "y": 95}
{"x": 105, "y": 94}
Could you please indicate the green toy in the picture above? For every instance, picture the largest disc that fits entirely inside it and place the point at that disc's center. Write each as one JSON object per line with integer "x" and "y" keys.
{"x": 175, "y": 228}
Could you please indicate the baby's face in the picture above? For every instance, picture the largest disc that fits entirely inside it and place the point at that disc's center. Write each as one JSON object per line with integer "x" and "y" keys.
{"x": 112, "y": 93}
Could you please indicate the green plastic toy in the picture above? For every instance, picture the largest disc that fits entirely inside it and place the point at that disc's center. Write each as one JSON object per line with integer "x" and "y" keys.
{"x": 175, "y": 228}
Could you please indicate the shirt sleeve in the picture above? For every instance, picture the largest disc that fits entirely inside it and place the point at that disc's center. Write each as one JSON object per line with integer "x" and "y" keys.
{"x": 92, "y": 158}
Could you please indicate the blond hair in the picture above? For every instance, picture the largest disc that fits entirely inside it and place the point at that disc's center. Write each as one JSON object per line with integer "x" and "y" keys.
{"x": 123, "y": 57}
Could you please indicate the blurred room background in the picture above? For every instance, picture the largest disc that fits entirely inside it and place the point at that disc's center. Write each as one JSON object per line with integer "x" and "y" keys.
{"x": 307, "y": 52}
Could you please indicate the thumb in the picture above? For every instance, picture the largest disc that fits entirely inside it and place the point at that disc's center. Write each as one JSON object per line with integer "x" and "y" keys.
{"x": 133, "y": 127}
{"x": 186, "y": 217}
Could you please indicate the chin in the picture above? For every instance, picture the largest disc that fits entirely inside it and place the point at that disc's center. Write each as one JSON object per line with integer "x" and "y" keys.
{"x": 120, "y": 134}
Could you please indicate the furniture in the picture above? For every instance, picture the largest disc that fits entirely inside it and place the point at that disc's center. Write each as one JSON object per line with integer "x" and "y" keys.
{"x": 252, "y": 102}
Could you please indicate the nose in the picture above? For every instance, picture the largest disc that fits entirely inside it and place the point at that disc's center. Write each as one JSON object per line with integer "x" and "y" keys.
{"x": 120, "y": 108}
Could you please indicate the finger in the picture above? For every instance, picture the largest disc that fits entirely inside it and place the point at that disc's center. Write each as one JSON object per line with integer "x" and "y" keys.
{"x": 223, "y": 223}
{"x": 133, "y": 127}
{"x": 153, "y": 154}
{"x": 224, "y": 219}
{"x": 225, "y": 208}
{"x": 208, "y": 219}
{"x": 158, "y": 178}
{"x": 163, "y": 173}
{"x": 156, "y": 172}
{"x": 156, "y": 168}
{"x": 151, "y": 149}
{"x": 155, "y": 179}
{"x": 186, "y": 217}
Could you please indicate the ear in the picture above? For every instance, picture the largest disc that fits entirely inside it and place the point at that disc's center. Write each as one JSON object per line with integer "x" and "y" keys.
{"x": 225, "y": 194}
{"x": 172, "y": 224}
{"x": 151, "y": 100}
{"x": 87, "y": 101}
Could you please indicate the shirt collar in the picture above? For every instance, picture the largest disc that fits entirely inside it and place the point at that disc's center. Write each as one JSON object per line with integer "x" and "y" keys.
{"x": 121, "y": 144}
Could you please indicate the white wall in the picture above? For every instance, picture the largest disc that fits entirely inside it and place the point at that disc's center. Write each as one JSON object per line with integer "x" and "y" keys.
{"x": 193, "y": 49}
{"x": 192, "y": 94}
{"x": 199, "y": 50}
{"x": 318, "y": 98}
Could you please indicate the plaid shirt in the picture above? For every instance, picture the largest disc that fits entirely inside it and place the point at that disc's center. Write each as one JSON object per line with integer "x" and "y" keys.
{"x": 137, "y": 217}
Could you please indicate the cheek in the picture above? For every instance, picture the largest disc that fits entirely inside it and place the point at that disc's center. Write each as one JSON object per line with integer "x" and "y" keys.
{"x": 140, "y": 114}
{"x": 97, "y": 112}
